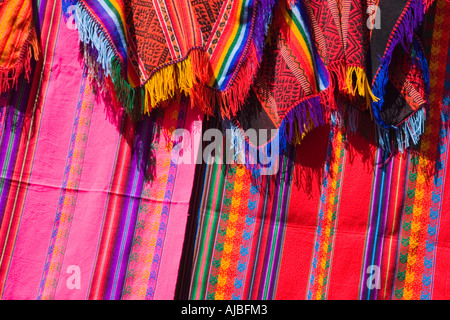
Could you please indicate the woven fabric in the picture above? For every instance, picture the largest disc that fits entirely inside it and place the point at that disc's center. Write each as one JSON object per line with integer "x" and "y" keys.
{"x": 291, "y": 89}
{"x": 85, "y": 191}
{"x": 209, "y": 52}
{"x": 342, "y": 39}
{"x": 18, "y": 42}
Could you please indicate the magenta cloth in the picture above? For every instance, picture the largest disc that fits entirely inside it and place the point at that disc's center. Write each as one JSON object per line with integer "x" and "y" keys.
{"x": 104, "y": 204}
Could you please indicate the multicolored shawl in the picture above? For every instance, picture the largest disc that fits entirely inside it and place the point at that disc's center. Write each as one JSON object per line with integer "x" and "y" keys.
{"x": 92, "y": 204}
{"x": 291, "y": 93}
{"x": 153, "y": 51}
{"x": 358, "y": 41}
{"x": 400, "y": 72}
{"x": 18, "y": 42}
{"x": 303, "y": 234}
{"x": 342, "y": 38}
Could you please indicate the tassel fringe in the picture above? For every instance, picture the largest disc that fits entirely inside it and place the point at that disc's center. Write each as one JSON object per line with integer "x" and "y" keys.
{"x": 9, "y": 77}
{"x": 187, "y": 76}
{"x": 307, "y": 115}
{"x": 403, "y": 34}
{"x": 407, "y": 133}
{"x": 361, "y": 86}
{"x": 230, "y": 101}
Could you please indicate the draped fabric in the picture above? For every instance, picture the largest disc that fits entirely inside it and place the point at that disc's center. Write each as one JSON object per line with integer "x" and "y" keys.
{"x": 342, "y": 219}
{"x": 18, "y": 42}
{"x": 117, "y": 118}
{"x": 83, "y": 188}
{"x": 291, "y": 90}
{"x": 208, "y": 49}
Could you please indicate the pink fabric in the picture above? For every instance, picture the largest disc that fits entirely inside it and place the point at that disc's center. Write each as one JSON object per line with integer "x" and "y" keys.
{"x": 89, "y": 187}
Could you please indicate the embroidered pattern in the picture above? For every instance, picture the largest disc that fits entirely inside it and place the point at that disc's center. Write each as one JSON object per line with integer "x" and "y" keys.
{"x": 69, "y": 191}
{"x": 328, "y": 216}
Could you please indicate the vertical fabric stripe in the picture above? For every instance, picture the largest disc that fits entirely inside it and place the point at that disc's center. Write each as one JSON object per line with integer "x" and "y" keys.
{"x": 328, "y": 216}
{"x": 69, "y": 192}
{"x": 27, "y": 138}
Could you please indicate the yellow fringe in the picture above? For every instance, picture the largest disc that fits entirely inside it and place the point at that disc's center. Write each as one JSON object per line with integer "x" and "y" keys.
{"x": 34, "y": 43}
{"x": 362, "y": 86}
{"x": 297, "y": 137}
{"x": 168, "y": 82}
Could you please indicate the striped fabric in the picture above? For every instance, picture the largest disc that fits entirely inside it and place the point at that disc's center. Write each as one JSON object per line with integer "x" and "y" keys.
{"x": 105, "y": 190}
{"x": 181, "y": 56}
{"x": 98, "y": 205}
{"x": 341, "y": 220}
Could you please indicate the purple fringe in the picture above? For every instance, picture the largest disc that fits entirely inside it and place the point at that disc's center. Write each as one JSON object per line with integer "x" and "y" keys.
{"x": 256, "y": 158}
{"x": 412, "y": 128}
{"x": 404, "y": 36}
{"x": 263, "y": 20}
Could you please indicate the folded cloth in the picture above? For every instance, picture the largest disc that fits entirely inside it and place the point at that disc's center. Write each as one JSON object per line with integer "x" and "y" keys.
{"x": 151, "y": 51}
{"x": 18, "y": 41}
{"x": 400, "y": 75}
{"x": 342, "y": 38}
{"x": 290, "y": 94}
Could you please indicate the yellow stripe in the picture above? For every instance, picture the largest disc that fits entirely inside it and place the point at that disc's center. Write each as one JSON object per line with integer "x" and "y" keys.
{"x": 225, "y": 51}
{"x": 298, "y": 36}
{"x": 122, "y": 18}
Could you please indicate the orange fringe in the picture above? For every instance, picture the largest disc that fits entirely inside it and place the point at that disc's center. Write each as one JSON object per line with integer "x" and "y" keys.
{"x": 9, "y": 76}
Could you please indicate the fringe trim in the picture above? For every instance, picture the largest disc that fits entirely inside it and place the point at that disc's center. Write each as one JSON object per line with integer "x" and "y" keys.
{"x": 402, "y": 34}
{"x": 406, "y": 133}
{"x": 185, "y": 75}
{"x": 350, "y": 81}
{"x": 230, "y": 101}
{"x": 446, "y": 101}
{"x": 360, "y": 86}
{"x": 188, "y": 75}
{"x": 308, "y": 114}
{"x": 124, "y": 94}
{"x": 428, "y": 4}
{"x": 262, "y": 23}
{"x": 99, "y": 52}
{"x": 423, "y": 64}
{"x": 9, "y": 77}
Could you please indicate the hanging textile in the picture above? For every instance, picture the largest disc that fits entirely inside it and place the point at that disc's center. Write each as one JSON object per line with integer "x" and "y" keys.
{"x": 18, "y": 42}
{"x": 84, "y": 190}
{"x": 149, "y": 52}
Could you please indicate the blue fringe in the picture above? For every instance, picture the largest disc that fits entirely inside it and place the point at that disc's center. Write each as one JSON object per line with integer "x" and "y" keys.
{"x": 446, "y": 101}
{"x": 403, "y": 35}
{"x": 256, "y": 158}
{"x": 262, "y": 23}
{"x": 407, "y": 133}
